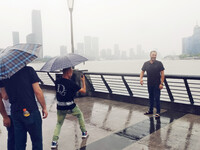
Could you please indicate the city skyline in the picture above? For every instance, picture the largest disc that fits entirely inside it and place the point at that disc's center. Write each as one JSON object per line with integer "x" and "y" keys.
{"x": 191, "y": 44}
{"x": 152, "y": 24}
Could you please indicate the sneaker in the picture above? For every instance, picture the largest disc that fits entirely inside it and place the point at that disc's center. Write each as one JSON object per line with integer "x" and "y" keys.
{"x": 54, "y": 144}
{"x": 157, "y": 116}
{"x": 84, "y": 134}
{"x": 148, "y": 113}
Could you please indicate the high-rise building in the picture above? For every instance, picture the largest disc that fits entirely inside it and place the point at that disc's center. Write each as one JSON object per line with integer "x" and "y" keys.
{"x": 36, "y": 35}
{"x": 15, "y": 36}
{"x": 191, "y": 45}
{"x": 91, "y": 47}
{"x": 37, "y": 29}
{"x": 140, "y": 53}
{"x": 63, "y": 50}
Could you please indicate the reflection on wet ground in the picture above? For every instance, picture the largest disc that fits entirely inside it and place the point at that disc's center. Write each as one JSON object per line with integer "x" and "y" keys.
{"x": 116, "y": 125}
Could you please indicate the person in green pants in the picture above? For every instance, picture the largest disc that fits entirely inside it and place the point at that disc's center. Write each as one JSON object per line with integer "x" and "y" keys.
{"x": 66, "y": 90}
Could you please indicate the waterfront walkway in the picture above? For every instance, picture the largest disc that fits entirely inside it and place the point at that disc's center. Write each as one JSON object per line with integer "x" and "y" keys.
{"x": 116, "y": 125}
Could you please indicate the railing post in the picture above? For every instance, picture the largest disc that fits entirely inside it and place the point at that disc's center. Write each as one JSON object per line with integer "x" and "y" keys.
{"x": 89, "y": 83}
{"x": 106, "y": 84}
{"x": 127, "y": 86}
{"x": 188, "y": 91}
{"x": 51, "y": 77}
{"x": 169, "y": 91}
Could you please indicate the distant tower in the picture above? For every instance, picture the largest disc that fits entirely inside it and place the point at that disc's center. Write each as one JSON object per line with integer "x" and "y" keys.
{"x": 15, "y": 36}
{"x": 37, "y": 29}
{"x": 63, "y": 50}
{"x": 191, "y": 45}
{"x": 91, "y": 47}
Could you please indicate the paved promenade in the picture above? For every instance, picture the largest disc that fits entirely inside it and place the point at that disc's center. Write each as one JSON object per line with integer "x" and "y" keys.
{"x": 118, "y": 126}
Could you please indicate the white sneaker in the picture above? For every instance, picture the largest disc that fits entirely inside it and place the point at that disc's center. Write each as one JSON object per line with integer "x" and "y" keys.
{"x": 84, "y": 134}
{"x": 54, "y": 144}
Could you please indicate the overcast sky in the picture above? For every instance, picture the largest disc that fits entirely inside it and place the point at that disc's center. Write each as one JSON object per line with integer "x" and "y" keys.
{"x": 159, "y": 24}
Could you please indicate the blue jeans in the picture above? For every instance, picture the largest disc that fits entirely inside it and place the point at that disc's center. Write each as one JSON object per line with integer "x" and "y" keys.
{"x": 31, "y": 124}
{"x": 154, "y": 95}
{"x": 11, "y": 137}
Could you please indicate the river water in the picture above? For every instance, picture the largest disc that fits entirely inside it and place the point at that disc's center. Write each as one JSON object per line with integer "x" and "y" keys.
{"x": 172, "y": 67}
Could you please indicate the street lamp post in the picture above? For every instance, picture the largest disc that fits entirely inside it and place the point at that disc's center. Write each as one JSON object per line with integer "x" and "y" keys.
{"x": 71, "y": 5}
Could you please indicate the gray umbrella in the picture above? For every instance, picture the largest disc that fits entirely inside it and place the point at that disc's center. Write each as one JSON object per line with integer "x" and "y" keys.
{"x": 61, "y": 62}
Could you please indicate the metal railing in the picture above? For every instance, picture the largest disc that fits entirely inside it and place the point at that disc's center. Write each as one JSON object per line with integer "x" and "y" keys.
{"x": 180, "y": 91}
{"x": 177, "y": 88}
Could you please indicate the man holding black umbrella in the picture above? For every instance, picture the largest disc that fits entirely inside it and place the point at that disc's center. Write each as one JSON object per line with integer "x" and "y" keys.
{"x": 66, "y": 90}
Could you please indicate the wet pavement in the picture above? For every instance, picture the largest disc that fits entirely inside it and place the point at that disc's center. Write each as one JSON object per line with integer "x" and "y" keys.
{"x": 116, "y": 125}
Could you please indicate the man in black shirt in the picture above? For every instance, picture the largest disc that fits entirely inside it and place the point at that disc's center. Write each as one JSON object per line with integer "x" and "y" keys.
{"x": 155, "y": 79}
{"x": 66, "y": 90}
{"x": 21, "y": 89}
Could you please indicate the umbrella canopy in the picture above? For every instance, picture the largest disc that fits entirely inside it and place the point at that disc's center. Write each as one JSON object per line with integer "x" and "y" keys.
{"x": 14, "y": 58}
{"x": 61, "y": 62}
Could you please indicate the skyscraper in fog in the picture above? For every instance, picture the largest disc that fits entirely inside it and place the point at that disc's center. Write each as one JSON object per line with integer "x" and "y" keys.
{"x": 191, "y": 45}
{"x": 63, "y": 50}
{"x": 37, "y": 29}
{"x": 36, "y": 35}
{"x": 15, "y": 36}
{"x": 91, "y": 47}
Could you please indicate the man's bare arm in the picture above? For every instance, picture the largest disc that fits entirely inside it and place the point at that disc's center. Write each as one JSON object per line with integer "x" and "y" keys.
{"x": 141, "y": 77}
{"x": 6, "y": 119}
{"x": 40, "y": 97}
{"x": 162, "y": 79}
{"x": 83, "y": 89}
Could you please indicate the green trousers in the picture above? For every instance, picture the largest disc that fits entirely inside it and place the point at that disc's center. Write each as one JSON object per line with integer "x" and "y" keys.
{"x": 61, "y": 114}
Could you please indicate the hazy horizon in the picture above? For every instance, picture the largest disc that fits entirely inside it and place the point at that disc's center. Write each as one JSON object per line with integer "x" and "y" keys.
{"x": 154, "y": 24}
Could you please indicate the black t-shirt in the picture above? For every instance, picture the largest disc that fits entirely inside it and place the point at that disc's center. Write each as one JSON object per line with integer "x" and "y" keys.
{"x": 153, "y": 72}
{"x": 20, "y": 91}
{"x": 65, "y": 93}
